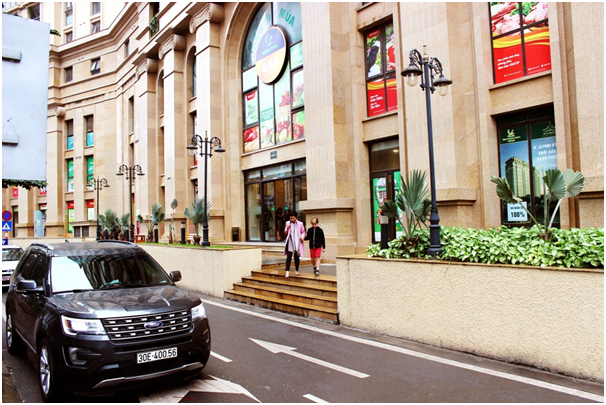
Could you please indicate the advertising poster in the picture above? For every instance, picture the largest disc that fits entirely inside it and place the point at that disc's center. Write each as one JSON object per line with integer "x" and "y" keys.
{"x": 515, "y": 160}
{"x": 70, "y": 142}
{"x": 266, "y": 105}
{"x": 70, "y": 175}
{"x": 390, "y": 46}
{"x": 251, "y": 139}
{"x": 397, "y": 177}
{"x": 15, "y": 192}
{"x": 296, "y": 55}
{"x": 392, "y": 92}
{"x": 90, "y": 172}
{"x": 507, "y": 54}
{"x": 283, "y": 103}
{"x": 90, "y": 139}
{"x": 71, "y": 216}
{"x": 298, "y": 95}
{"x": 379, "y": 193}
{"x": 298, "y": 125}
{"x": 251, "y": 108}
{"x": 271, "y": 55}
{"x": 373, "y": 53}
{"x": 538, "y": 51}
{"x": 376, "y": 97}
{"x": 90, "y": 207}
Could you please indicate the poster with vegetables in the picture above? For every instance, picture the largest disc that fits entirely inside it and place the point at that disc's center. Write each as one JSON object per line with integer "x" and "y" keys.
{"x": 266, "y": 105}
{"x": 521, "y": 32}
{"x": 251, "y": 139}
{"x": 251, "y": 108}
{"x": 283, "y": 103}
{"x": 298, "y": 125}
{"x": 298, "y": 95}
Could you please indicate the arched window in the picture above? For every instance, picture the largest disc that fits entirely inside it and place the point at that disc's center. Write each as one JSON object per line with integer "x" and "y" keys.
{"x": 191, "y": 74}
{"x": 272, "y": 78}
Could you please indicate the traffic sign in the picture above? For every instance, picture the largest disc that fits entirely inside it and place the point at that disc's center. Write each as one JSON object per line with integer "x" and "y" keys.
{"x": 4, "y": 241}
{"x": 7, "y": 226}
{"x": 7, "y": 216}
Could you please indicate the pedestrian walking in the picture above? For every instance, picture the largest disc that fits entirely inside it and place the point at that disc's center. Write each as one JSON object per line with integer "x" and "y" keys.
{"x": 294, "y": 246}
{"x": 317, "y": 244}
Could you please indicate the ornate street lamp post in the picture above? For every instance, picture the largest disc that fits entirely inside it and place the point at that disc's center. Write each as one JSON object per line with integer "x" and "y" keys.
{"x": 206, "y": 150}
{"x": 98, "y": 185}
{"x": 428, "y": 68}
{"x": 130, "y": 176}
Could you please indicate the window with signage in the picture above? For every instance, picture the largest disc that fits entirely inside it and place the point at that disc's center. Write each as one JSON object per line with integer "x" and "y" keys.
{"x": 527, "y": 149}
{"x": 273, "y": 96}
{"x": 69, "y": 129}
{"x": 90, "y": 130}
{"x": 90, "y": 172}
{"x": 70, "y": 175}
{"x": 381, "y": 93}
{"x": 520, "y": 39}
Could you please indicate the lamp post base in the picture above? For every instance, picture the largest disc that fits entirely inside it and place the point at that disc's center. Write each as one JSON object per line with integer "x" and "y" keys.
{"x": 205, "y": 241}
{"x": 435, "y": 247}
{"x": 131, "y": 236}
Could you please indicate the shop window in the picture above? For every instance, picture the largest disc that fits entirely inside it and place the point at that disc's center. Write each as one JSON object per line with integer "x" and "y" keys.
{"x": 90, "y": 130}
{"x": 70, "y": 175}
{"x": 527, "y": 149}
{"x": 71, "y": 216}
{"x": 272, "y": 78}
{"x": 69, "y": 74}
{"x": 69, "y": 129}
{"x": 520, "y": 39}
{"x": 69, "y": 13}
{"x": 90, "y": 172}
{"x": 381, "y": 92}
{"x": 95, "y": 66}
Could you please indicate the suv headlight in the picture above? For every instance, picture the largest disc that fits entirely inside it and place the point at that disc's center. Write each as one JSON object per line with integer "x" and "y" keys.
{"x": 73, "y": 326}
{"x": 198, "y": 312}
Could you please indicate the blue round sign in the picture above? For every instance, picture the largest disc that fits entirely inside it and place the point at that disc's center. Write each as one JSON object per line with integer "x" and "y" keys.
{"x": 7, "y": 216}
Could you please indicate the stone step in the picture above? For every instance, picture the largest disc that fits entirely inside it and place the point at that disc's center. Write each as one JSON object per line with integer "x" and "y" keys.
{"x": 279, "y": 263}
{"x": 284, "y": 284}
{"x": 291, "y": 307}
{"x": 304, "y": 278}
{"x": 288, "y": 295}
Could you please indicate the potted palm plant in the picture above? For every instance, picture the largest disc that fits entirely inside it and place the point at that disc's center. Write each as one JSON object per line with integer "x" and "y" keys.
{"x": 195, "y": 214}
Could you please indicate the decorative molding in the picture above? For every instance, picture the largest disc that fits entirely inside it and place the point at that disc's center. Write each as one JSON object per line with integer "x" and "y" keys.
{"x": 212, "y": 12}
{"x": 175, "y": 42}
{"x": 58, "y": 112}
{"x": 147, "y": 66}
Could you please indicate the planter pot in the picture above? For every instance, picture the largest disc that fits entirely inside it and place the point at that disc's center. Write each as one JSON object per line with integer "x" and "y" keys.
{"x": 549, "y": 318}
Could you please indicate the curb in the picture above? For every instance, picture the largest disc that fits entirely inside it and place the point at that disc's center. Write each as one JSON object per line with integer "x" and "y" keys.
{"x": 9, "y": 391}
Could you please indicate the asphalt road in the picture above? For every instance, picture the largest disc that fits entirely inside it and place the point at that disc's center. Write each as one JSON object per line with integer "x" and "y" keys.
{"x": 265, "y": 356}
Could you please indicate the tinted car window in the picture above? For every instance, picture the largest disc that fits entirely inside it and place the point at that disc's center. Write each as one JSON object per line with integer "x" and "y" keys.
{"x": 39, "y": 270}
{"x": 105, "y": 272}
{"x": 11, "y": 254}
{"x": 26, "y": 272}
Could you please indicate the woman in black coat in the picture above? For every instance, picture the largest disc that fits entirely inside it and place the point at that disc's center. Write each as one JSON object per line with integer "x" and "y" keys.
{"x": 317, "y": 244}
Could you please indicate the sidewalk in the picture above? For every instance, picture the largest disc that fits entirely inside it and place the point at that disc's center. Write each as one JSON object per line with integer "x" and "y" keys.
{"x": 9, "y": 392}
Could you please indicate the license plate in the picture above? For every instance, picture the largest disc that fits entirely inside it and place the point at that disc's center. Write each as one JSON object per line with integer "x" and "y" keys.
{"x": 155, "y": 355}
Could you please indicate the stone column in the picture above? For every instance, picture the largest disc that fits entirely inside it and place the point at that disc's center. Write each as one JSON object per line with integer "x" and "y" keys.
{"x": 175, "y": 121}
{"x": 206, "y": 26}
{"x": 55, "y": 214}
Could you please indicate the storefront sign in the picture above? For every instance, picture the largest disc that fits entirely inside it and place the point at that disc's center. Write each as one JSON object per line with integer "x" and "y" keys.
{"x": 271, "y": 55}
{"x": 517, "y": 213}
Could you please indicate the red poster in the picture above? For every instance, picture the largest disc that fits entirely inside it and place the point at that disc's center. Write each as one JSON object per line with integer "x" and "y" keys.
{"x": 15, "y": 192}
{"x": 90, "y": 203}
{"x": 70, "y": 205}
{"x": 392, "y": 94}
{"x": 508, "y": 58}
{"x": 538, "y": 54}
{"x": 376, "y": 97}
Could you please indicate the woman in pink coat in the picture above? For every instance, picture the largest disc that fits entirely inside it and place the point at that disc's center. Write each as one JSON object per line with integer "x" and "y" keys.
{"x": 295, "y": 234}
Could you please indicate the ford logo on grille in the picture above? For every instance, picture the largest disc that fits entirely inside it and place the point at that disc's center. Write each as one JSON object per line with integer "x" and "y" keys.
{"x": 153, "y": 325}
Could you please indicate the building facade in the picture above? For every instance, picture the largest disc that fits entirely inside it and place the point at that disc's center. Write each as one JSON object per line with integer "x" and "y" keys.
{"x": 309, "y": 103}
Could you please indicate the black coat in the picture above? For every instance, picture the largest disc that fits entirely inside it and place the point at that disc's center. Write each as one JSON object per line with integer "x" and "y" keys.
{"x": 315, "y": 236}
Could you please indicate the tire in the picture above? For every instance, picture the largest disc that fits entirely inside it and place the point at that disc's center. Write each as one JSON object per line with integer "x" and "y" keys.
{"x": 13, "y": 340}
{"x": 47, "y": 372}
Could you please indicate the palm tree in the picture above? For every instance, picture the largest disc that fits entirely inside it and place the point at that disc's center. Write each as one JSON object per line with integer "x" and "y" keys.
{"x": 171, "y": 237}
{"x": 110, "y": 224}
{"x": 195, "y": 214}
{"x": 148, "y": 225}
{"x": 158, "y": 215}
{"x": 556, "y": 186}
{"x": 124, "y": 225}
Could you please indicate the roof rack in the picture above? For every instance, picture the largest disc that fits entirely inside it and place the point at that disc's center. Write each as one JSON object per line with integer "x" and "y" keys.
{"x": 116, "y": 241}
{"x": 44, "y": 245}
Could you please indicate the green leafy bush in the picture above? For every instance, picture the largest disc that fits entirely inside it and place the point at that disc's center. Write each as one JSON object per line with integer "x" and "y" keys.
{"x": 575, "y": 248}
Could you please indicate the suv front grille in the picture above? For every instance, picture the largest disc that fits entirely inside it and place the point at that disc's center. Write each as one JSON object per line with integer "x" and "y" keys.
{"x": 133, "y": 329}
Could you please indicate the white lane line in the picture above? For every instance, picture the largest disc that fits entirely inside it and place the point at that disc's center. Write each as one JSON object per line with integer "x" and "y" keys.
{"x": 218, "y": 356}
{"x": 313, "y": 398}
{"x": 408, "y": 352}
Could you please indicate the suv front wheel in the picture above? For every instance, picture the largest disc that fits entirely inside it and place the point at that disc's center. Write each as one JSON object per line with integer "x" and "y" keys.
{"x": 49, "y": 387}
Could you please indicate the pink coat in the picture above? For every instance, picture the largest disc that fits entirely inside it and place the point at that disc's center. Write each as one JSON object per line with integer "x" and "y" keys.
{"x": 301, "y": 228}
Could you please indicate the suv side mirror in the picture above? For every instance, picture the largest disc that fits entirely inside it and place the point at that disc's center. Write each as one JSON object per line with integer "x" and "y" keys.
{"x": 175, "y": 276}
{"x": 27, "y": 286}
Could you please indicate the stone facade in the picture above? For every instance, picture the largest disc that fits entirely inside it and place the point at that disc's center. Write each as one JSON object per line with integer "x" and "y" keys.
{"x": 143, "y": 106}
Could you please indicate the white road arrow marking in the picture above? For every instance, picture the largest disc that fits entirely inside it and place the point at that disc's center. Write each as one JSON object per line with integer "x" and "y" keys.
{"x": 222, "y": 358}
{"x": 276, "y": 348}
{"x": 315, "y": 399}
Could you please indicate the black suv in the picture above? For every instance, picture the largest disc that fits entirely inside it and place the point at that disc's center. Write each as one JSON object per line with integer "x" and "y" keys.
{"x": 103, "y": 316}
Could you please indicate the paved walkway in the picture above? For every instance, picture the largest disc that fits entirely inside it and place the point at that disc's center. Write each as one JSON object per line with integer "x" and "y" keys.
{"x": 9, "y": 392}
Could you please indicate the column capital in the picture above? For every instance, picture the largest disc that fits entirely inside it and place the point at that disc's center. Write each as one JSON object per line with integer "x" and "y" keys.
{"x": 147, "y": 66}
{"x": 212, "y": 12}
{"x": 175, "y": 42}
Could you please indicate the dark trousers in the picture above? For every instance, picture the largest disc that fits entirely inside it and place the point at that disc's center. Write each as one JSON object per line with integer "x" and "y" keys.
{"x": 289, "y": 258}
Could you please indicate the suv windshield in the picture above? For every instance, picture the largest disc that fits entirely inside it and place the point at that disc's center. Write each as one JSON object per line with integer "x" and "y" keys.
{"x": 84, "y": 273}
{"x": 9, "y": 255}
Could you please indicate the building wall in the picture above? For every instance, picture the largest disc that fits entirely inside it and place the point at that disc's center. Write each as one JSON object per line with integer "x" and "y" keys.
{"x": 156, "y": 78}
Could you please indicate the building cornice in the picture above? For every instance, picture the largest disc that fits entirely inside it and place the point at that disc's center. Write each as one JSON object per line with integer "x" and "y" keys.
{"x": 212, "y": 12}
{"x": 173, "y": 43}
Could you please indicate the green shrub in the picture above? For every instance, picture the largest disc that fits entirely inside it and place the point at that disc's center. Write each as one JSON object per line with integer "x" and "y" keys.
{"x": 575, "y": 248}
